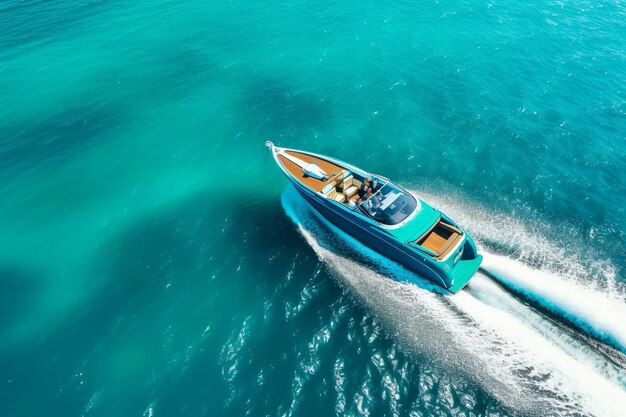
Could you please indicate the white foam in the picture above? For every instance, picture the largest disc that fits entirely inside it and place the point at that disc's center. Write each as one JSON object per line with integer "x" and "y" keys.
{"x": 583, "y": 291}
{"x": 518, "y": 356}
{"x": 547, "y": 349}
{"x": 489, "y": 293}
{"x": 591, "y": 310}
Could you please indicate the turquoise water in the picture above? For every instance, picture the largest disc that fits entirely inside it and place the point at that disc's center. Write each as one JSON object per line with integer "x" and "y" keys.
{"x": 152, "y": 263}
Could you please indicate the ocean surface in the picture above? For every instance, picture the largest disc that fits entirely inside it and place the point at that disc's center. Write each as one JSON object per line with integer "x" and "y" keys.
{"x": 155, "y": 262}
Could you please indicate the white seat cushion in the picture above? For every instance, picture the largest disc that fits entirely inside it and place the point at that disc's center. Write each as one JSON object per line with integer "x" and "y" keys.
{"x": 340, "y": 198}
{"x": 350, "y": 191}
{"x": 328, "y": 187}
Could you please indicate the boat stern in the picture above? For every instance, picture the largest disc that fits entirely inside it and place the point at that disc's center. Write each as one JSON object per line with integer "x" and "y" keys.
{"x": 464, "y": 266}
{"x": 463, "y": 271}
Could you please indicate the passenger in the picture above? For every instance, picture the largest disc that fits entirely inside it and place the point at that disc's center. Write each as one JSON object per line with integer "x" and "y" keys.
{"x": 370, "y": 203}
{"x": 366, "y": 187}
{"x": 373, "y": 199}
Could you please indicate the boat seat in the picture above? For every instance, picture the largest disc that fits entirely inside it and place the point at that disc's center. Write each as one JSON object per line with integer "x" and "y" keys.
{"x": 328, "y": 188}
{"x": 351, "y": 186}
{"x": 333, "y": 194}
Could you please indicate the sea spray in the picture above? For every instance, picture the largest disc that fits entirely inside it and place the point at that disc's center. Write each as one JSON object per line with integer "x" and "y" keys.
{"x": 494, "y": 346}
{"x": 592, "y": 311}
{"x": 582, "y": 290}
{"x": 418, "y": 315}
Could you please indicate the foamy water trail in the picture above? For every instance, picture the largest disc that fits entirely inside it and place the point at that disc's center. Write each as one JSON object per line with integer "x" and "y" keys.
{"x": 572, "y": 368}
{"x": 591, "y": 310}
{"x": 583, "y": 291}
{"x": 519, "y": 357}
{"x": 491, "y": 294}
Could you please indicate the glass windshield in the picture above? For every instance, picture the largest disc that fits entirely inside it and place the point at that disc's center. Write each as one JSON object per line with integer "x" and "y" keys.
{"x": 389, "y": 205}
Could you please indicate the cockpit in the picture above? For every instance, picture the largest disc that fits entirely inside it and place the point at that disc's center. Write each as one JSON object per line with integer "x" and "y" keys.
{"x": 373, "y": 196}
{"x": 389, "y": 204}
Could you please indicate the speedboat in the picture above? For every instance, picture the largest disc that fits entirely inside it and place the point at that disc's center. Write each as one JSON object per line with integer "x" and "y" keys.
{"x": 384, "y": 216}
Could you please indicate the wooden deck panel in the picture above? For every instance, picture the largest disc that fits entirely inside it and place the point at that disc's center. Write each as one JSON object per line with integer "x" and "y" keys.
{"x": 440, "y": 240}
{"x": 313, "y": 183}
{"x": 433, "y": 242}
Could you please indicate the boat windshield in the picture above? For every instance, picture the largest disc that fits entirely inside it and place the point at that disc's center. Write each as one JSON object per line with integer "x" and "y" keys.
{"x": 389, "y": 205}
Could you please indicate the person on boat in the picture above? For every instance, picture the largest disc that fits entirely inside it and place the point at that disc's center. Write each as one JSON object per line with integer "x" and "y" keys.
{"x": 372, "y": 201}
{"x": 366, "y": 187}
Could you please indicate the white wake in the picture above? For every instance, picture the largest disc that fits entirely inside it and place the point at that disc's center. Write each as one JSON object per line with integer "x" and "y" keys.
{"x": 482, "y": 332}
{"x": 582, "y": 290}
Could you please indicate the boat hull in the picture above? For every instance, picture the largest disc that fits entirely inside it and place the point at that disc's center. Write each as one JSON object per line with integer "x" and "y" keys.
{"x": 450, "y": 270}
{"x": 374, "y": 238}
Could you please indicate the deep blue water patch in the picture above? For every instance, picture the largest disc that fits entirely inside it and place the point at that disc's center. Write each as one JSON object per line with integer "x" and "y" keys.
{"x": 59, "y": 136}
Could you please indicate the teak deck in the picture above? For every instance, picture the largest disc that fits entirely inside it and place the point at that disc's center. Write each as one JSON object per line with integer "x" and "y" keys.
{"x": 312, "y": 183}
{"x": 440, "y": 239}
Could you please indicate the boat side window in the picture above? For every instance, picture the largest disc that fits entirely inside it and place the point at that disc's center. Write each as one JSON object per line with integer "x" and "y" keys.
{"x": 389, "y": 205}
